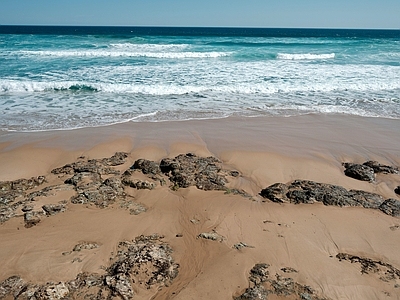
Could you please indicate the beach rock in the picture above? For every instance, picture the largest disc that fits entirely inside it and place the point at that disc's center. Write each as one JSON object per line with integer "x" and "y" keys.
{"x": 259, "y": 273}
{"x": 391, "y": 207}
{"x": 384, "y": 271}
{"x": 11, "y": 190}
{"x": 99, "y": 166}
{"x": 213, "y": 235}
{"x": 120, "y": 285}
{"x": 360, "y": 172}
{"x": 119, "y": 158}
{"x": 241, "y": 245}
{"x": 146, "y": 260}
{"x": 53, "y": 209}
{"x": 52, "y": 291}
{"x": 254, "y": 293}
{"x": 12, "y": 285}
{"x": 139, "y": 184}
{"x": 146, "y": 166}
{"x": 190, "y": 170}
{"x": 261, "y": 285}
{"x": 85, "y": 246}
{"x": 378, "y": 168}
{"x": 397, "y": 190}
{"x": 31, "y": 219}
{"x": 305, "y": 191}
{"x": 6, "y": 213}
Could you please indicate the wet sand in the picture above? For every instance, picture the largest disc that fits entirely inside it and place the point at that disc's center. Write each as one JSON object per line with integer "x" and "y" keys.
{"x": 265, "y": 150}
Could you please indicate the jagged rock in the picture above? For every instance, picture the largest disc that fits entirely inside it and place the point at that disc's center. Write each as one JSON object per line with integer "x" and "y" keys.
{"x": 52, "y": 291}
{"x": 53, "y": 209}
{"x": 378, "y": 168}
{"x": 146, "y": 166}
{"x": 261, "y": 285}
{"x": 119, "y": 158}
{"x": 275, "y": 192}
{"x": 27, "y": 208}
{"x": 254, "y": 293}
{"x": 259, "y": 274}
{"x": 360, "y": 172}
{"x": 85, "y": 246}
{"x": 391, "y": 207}
{"x": 99, "y": 166}
{"x": 11, "y": 190}
{"x": 189, "y": 170}
{"x": 234, "y": 173}
{"x": 12, "y": 285}
{"x": 139, "y": 184}
{"x": 147, "y": 256}
{"x": 120, "y": 284}
{"x": 31, "y": 219}
{"x": 211, "y": 236}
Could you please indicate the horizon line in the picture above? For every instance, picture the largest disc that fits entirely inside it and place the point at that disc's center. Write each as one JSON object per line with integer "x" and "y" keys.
{"x": 180, "y": 26}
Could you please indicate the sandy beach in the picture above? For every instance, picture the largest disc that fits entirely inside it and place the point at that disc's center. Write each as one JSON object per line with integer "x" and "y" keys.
{"x": 215, "y": 236}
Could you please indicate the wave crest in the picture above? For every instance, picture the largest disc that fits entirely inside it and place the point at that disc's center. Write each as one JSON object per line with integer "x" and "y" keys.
{"x": 304, "y": 56}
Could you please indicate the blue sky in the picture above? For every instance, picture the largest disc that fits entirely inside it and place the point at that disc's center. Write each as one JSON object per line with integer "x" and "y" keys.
{"x": 256, "y": 13}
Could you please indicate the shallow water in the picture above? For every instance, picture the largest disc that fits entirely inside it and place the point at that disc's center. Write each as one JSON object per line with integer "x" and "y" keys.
{"x": 68, "y": 79}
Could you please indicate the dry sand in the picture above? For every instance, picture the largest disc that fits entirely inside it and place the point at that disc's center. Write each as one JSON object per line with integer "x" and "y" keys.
{"x": 265, "y": 151}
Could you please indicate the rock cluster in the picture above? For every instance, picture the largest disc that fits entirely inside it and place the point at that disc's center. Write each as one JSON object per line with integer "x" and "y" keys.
{"x": 304, "y": 191}
{"x": 261, "y": 284}
{"x": 367, "y": 170}
{"x": 385, "y": 271}
{"x": 145, "y": 262}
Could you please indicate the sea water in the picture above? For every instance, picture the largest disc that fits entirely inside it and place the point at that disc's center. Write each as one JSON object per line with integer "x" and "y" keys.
{"x": 72, "y": 77}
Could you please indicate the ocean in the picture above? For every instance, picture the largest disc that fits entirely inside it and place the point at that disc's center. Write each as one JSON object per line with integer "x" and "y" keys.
{"x": 54, "y": 78}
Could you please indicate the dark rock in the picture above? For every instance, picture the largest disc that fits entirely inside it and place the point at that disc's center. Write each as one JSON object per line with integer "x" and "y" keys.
{"x": 189, "y": 170}
{"x": 276, "y": 192}
{"x": 6, "y": 213}
{"x": 234, "y": 173}
{"x": 391, "y": 207}
{"x": 378, "y": 168}
{"x": 304, "y": 191}
{"x": 146, "y": 166}
{"x": 366, "y": 199}
{"x": 360, "y": 172}
{"x": 289, "y": 270}
{"x": 397, "y": 190}
{"x": 53, "y": 209}
{"x": 27, "y": 208}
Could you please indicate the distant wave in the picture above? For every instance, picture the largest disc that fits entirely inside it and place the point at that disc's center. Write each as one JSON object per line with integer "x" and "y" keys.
{"x": 104, "y": 53}
{"x": 305, "y": 56}
{"x": 130, "y": 46}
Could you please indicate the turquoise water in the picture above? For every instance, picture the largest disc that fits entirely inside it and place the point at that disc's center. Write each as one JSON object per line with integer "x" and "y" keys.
{"x": 71, "y": 77}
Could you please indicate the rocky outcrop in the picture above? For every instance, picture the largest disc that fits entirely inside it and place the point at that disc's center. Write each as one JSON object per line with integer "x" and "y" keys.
{"x": 190, "y": 170}
{"x": 367, "y": 170}
{"x": 304, "y": 191}
{"x": 261, "y": 284}
{"x": 145, "y": 262}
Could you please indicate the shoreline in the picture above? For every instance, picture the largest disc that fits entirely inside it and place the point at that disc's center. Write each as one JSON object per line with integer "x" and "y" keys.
{"x": 263, "y": 150}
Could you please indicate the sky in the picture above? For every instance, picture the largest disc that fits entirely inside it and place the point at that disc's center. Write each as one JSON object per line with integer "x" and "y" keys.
{"x": 225, "y": 13}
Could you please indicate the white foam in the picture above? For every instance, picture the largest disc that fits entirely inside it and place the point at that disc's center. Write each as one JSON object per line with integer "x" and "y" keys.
{"x": 105, "y": 53}
{"x": 305, "y": 56}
